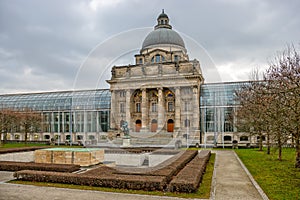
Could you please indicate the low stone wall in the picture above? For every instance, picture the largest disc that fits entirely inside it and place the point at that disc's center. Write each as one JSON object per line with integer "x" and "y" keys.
{"x": 82, "y": 157}
{"x": 125, "y": 159}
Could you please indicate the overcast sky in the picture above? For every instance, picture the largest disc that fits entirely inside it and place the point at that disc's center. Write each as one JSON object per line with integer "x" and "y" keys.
{"x": 65, "y": 44}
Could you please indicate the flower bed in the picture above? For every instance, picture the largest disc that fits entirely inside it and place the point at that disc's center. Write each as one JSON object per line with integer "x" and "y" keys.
{"x": 189, "y": 178}
{"x": 16, "y": 166}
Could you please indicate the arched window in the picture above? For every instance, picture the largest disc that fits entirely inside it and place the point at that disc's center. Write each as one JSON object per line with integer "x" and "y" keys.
{"x": 157, "y": 58}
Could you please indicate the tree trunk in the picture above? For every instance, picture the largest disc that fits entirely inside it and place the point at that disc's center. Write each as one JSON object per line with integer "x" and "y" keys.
{"x": 297, "y": 164}
{"x": 268, "y": 144}
{"x": 25, "y": 137}
{"x": 260, "y": 142}
{"x": 279, "y": 150}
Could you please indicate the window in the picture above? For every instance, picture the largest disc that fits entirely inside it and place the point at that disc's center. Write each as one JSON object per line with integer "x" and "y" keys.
{"x": 122, "y": 107}
{"x": 138, "y": 107}
{"x": 176, "y": 58}
{"x": 154, "y": 107}
{"x": 227, "y": 138}
{"x": 157, "y": 58}
{"x": 141, "y": 61}
{"x": 244, "y": 138}
{"x": 122, "y": 93}
{"x": 170, "y": 107}
{"x": 187, "y": 123}
{"x": 187, "y": 106}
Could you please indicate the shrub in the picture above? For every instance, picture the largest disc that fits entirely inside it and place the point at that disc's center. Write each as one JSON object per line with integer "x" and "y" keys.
{"x": 189, "y": 178}
{"x": 134, "y": 182}
{"x": 16, "y": 166}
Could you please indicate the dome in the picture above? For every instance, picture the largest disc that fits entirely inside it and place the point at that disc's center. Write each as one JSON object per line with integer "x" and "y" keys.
{"x": 163, "y": 36}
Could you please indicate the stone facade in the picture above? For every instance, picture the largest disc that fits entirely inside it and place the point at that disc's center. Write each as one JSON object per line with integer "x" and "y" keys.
{"x": 160, "y": 93}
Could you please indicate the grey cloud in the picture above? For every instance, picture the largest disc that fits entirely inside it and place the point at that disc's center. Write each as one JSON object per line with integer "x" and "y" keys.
{"x": 51, "y": 39}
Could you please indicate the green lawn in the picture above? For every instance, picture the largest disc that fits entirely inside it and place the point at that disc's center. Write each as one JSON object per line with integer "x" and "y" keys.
{"x": 17, "y": 145}
{"x": 202, "y": 193}
{"x": 279, "y": 179}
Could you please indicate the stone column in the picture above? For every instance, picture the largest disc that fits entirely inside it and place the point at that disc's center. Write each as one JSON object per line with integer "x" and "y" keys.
{"x": 144, "y": 109}
{"x": 112, "y": 110}
{"x": 127, "y": 108}
{"x": 195, "y": 108}
{"x": 177, "y": 107}
{"x": 161, "y": 109}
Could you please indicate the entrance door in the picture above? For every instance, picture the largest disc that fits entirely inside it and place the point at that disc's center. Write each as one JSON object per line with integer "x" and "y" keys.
{"x": 170, "y": 125}
{"x": 138, "y": 125}
{"x": 154, "y": 125}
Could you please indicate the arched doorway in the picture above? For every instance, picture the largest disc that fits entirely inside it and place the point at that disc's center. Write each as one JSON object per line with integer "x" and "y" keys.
{"x": 154, "y": 125}
{"x": 138, "y": 125}
{"x": 170, "y": 125}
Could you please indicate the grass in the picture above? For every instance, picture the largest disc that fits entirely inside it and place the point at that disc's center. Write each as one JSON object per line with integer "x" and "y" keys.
{"x": 202, "y": 193}
{"x": 22, "y": 144}
{"x": 18, "y": 145}
{"x": 278, "y": 179}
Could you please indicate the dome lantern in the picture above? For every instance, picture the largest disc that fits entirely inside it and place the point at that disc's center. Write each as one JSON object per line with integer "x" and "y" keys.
{"x": 163, "y": 21}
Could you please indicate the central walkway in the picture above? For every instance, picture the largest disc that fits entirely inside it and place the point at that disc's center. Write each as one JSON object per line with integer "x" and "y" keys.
{"x": 230, "y": 182}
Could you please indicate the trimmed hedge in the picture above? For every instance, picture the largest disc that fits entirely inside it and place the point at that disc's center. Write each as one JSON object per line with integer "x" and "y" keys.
{"x": 174, "y": 167}
{"x": 17, "y": 166}
{"x": 134, "y": 182}
{"x": 181, "y": 173}
{"x": 20, "y": 149}
{"x": 189, "y": 178}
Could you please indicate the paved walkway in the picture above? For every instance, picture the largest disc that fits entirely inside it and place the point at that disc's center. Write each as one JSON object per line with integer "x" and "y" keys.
{"x": 230, "y": 181}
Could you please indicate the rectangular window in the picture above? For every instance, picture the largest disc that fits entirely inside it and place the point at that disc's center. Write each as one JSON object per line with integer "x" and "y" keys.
{"x": 154, "y": 107}
{"x": 170, "y": 107}
{"x": 187, "y": 106}
{"x": 138, "y": 107}
{"x": 122, "y": 108}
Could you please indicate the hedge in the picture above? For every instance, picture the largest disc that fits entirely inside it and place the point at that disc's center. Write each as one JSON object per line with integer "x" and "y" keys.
{"x": 134, "y": 182}
{"x": 189, "y": 178}
{"x": 16, "y": 166}
{"x": 20, "y": 149}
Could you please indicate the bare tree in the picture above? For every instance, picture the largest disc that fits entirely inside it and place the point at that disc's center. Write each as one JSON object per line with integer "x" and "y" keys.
{"x": 30, "y": 122}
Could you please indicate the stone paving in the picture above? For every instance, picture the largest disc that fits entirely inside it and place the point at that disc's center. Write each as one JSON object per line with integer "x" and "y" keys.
{"x": 231, "y": 181}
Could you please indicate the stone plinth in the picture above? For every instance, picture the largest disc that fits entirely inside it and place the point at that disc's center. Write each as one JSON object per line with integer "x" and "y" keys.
{"x": 126, "y": 142}
{"x": 78, "y": 156}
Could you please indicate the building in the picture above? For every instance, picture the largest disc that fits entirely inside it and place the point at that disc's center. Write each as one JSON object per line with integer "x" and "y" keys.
{"x": 163, "y": 93}
{"x": 159, "y": 92}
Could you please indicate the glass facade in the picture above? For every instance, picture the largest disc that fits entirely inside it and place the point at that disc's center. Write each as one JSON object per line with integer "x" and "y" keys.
{"x": 88, "y": 111}
{"x": 77, "y": 112}
{"x": 217, "y": 106}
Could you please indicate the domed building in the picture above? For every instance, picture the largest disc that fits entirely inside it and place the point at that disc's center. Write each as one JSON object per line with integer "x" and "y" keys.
{"x": 159, "y": 93}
